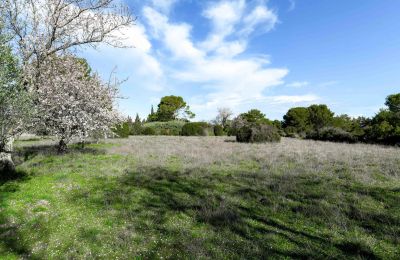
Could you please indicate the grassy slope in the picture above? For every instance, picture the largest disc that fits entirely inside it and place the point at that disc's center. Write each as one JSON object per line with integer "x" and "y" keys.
{"x": 203, "y": 197}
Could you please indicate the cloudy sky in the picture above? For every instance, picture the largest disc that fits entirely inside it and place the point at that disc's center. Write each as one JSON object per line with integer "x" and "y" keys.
{"x": 270, "y": 55}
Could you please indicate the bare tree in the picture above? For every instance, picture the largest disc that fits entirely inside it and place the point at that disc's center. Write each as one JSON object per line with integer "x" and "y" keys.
{"x": 223, "y": 116}
{"x": 42, "y": 28}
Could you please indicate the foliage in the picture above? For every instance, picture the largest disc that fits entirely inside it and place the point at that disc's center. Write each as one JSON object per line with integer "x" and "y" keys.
{"x": 166, "y": 128}
{"x": 257, "y": 133}
{"x": 148, "y": 131}
{"x": 296, "y": 121}
{"x": 219, "y": 130}
{"x": 385, "y": 127}
{"x": 152, "y": 117}
{"x": 255, "y": 116}
{"x": 70, "y": 104}
{"x": 16, "y": 106}
{"x": 333, "y": 134}
{"x": 122, "y": 130}
{"x": 320, "y": 116}
{"x": 136, "y": 126}
{"x": 172, "y": 108}
{"x": 393, "y": 102}
{"x": 197, "y": 129}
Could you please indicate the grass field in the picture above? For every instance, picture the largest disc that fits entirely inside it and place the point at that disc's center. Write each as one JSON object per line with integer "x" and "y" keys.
{"x": 202, "y": 197}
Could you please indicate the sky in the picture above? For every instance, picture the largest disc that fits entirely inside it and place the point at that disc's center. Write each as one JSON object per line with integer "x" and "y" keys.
{"x": 269, "y": 55}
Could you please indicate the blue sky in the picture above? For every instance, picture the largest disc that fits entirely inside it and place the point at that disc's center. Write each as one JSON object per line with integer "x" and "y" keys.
{"x": 270, "y": 55}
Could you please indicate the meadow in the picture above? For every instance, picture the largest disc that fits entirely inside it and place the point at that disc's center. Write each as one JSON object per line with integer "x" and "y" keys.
{"x": 153, "y": 197}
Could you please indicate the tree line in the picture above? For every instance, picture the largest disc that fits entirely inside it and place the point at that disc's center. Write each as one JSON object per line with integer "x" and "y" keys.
{"x": 316, "y": 122}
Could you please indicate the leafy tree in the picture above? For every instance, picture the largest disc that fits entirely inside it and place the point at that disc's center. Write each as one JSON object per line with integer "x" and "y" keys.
{"x": 297, "y": 121}
{"x": 255, "y": 116}
{"x": 344, "y": 122}
{"x": 171, "y": 108}
{"x": 393, "y": 102}
{"x": 320, "y": 116}
{"x": 15, "y": 104}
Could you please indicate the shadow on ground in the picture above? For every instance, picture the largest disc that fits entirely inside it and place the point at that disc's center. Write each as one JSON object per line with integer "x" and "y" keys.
{"x": 197, "y": 214}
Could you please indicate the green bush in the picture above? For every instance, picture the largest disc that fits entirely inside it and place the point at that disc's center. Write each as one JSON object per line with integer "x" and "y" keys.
{"x": 219, "y": 130}
{"x": 197, "y": 129}
{"x": 166, "y": 128}
{"x": 333, "y": 134}
{"x": 257, "y": 133}
{"x": 148, "y": 131}
{"x": 122, "y": 130}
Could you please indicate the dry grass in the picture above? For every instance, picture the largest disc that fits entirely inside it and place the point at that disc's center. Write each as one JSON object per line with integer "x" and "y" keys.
{"x": 317, "y": 157}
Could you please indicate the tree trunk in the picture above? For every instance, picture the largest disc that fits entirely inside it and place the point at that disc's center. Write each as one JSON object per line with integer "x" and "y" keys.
{"x": 6, "y": 163}
{"x": 62, "y": 146}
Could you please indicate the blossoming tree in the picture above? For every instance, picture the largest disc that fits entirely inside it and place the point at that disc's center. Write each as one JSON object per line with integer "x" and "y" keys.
{"x": 71, "y": 103}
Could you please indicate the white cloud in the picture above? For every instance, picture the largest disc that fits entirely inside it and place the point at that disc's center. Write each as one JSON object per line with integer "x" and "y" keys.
{"x": 163, "y": 5}
{"x": 298, "y": 84}
{"x": 261, "y": 15}
{"x": 294, "y": 99}
{"x": 176, "y": 37}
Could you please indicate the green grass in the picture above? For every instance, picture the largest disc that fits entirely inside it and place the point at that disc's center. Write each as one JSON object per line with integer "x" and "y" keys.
{"x": 94, "y": 203}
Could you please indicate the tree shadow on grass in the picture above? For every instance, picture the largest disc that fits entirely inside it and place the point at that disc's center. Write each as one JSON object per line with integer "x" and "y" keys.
{"x": 28, "y": 152}
{"x": 9, "y": 184}
{"x": 233, "y": 224}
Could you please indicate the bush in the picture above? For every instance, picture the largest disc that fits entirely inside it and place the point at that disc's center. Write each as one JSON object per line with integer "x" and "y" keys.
{"x": 333, "y": 134}
{"x": 257, "y": 133}
{"x": 197, "y": 129}
{"x": 122, "y": 130}
{"x": 219, "y": 130}
{"x": 166, "y": 128}
{"x": 148, "y": 131}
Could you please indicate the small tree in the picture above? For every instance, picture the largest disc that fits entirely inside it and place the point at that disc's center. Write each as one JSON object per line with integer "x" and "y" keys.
{"x": 136, "y": 127}
{"x": 224, "y": 113}
{"x": 15, "y": 105}
{"x": 70, "y": 104}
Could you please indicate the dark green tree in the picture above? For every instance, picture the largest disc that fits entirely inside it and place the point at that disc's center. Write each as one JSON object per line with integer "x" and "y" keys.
{"x": 320, "y": 116}
{"x": 172, "y": 108}
{"x": 152, "y": 116}
{"x": 297, "y": 121}
{"x": 136, "y": 126}
{"x": 393, "y": 102}
{"x": 255, "y": 116}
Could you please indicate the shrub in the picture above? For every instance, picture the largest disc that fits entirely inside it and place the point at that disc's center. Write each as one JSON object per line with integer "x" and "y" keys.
{"x": 148, "y": 131}
{"x": 197, "y": 129}
{"x": 332, "y": 134}
{"x": 219, "y": 130}
{"x": 166, "y": 128}
{"x": 122, "y": 130}
{"x": 257, "y": 133}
